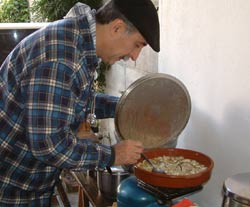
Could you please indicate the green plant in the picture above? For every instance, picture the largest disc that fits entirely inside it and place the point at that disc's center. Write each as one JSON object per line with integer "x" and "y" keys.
{"x": 100, "y": 82}
{"x": 51, "y": 10}
{"x": 14, "y": 11}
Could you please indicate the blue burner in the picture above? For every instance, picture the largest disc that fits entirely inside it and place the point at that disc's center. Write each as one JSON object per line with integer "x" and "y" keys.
{"x": 130, "y": 195}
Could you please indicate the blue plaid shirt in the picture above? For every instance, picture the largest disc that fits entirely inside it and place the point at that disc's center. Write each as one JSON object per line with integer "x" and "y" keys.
{"x": 45, "y": 86}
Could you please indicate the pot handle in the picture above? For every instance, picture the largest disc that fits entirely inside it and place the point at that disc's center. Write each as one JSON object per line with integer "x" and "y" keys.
{"x": 109, "y": 170}
{"x": 128, "y": 168}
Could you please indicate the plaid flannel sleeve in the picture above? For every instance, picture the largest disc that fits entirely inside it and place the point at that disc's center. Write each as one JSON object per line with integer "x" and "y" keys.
{"x": 49, "y": 112}
{"x": 105, "y": 105}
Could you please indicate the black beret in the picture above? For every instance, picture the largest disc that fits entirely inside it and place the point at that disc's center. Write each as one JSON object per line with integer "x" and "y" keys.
{"x": 143, "y": 15}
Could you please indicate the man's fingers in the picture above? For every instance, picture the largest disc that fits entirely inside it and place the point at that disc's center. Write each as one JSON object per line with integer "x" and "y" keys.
{"x": 128, "y": 152}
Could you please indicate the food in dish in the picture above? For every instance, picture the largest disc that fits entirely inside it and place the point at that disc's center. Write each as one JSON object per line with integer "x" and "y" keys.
{"x": 174, "y": 165}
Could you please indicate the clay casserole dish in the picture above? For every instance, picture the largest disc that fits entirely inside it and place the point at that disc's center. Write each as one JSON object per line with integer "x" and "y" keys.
{"x": 171, "y": 181}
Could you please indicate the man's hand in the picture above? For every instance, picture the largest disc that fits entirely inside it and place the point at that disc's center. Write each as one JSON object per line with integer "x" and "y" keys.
{"x": 127, "y": 152}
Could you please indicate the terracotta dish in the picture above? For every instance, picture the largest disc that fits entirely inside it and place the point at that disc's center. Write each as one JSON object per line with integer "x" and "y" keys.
{"x": 171, "y": 181}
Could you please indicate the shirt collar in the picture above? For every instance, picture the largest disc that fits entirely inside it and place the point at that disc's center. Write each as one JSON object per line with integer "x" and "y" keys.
{"x": 80, "y": 9}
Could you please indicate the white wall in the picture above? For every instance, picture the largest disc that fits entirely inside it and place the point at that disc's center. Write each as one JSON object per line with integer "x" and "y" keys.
{"x": 206, "y": 44}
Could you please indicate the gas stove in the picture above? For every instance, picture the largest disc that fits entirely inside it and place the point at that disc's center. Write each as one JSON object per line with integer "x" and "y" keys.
{"x": 165, "y": 196}
{"x": 133, "y": 192}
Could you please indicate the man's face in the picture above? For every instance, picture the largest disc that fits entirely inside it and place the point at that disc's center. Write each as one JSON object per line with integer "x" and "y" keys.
{"x": 122, "y": 44}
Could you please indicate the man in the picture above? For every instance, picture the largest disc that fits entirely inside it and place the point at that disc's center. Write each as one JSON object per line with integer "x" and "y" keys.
{"x": 45, "y": 92}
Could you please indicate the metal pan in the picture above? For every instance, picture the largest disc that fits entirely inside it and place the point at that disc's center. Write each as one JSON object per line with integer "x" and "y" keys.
{"x": 154, "y": 110}
{"x": 170, "y": 181}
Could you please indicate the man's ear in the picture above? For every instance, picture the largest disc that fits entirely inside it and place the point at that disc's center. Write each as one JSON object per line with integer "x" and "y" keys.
{"x": 117, "y": 28}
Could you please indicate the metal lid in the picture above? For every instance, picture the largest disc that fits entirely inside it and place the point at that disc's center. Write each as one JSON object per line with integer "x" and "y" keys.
{"x": 237, "y": 187}
{"x": 154, "y": 110}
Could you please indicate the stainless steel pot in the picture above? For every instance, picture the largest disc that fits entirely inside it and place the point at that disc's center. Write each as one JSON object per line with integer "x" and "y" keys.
{"x": 236, "y": 191}
{"x": 154, "y": 110}
{"x": 108, "y": 182}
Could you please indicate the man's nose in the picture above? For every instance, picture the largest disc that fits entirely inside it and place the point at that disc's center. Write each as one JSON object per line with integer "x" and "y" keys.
{"x": 135, "y": 54}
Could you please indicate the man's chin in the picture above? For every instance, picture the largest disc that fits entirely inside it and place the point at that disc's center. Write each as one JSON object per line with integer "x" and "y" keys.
{"x": 109, "y": 62}
{"x": 112, "y": 62}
